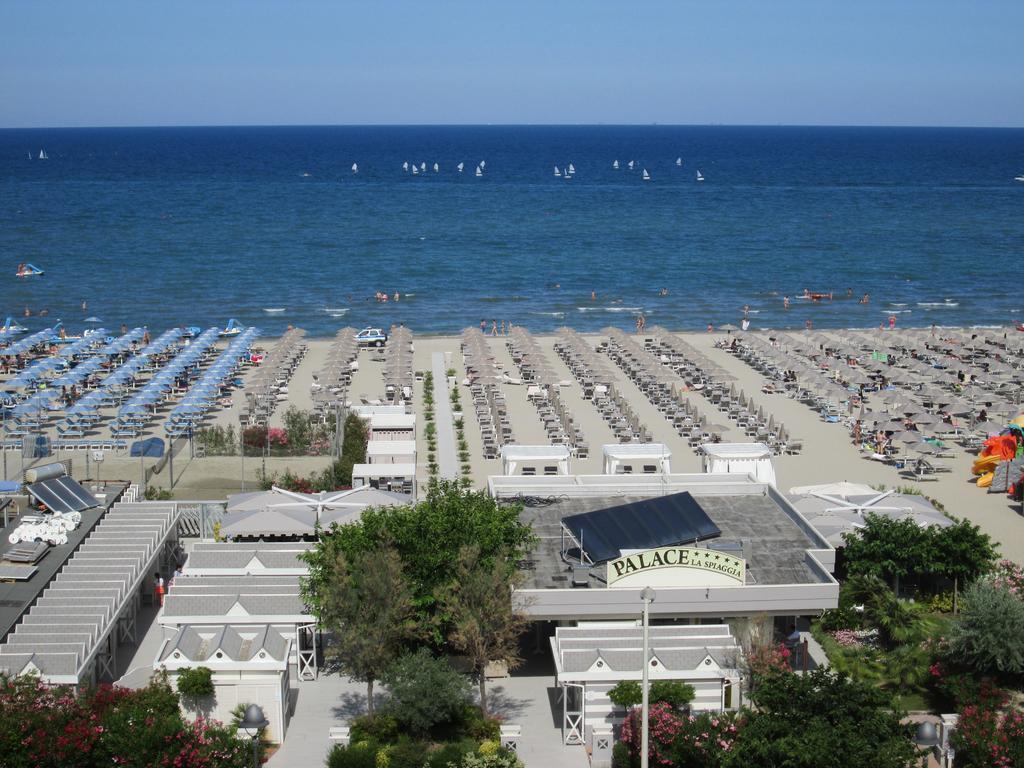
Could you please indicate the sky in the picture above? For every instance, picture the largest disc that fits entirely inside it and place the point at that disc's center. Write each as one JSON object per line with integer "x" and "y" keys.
{"x": 300, "y": 62}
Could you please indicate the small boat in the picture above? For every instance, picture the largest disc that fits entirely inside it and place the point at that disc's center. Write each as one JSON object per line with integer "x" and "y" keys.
{"x": 557, "y": 172}
{"x": 483, "y": 163}
{"x": 566, "y": 175}
{"x": 679, "y": 161}
{"x": 700, "y": 176}
{"x": 646, "y": 175}
{"x": 415, "y": 170}
{"x": 29, "y": 155}
{"x": 615, "y": 165}
{"x": 405, "y": 166}
{"x": 232, "y": 329}
{"x": 630, "y": 165}
{"x": 436, "y": 168}
{"x": 273, "y": 310}
{"x": 479, "y": 171}
{"x": 423, "y": 167}
{"x": 43, "y": 155}
{"x": 1018, "y": 178}
{"x": 571, "y": 168}
{"x": 355, "y": 168}
{"x": 11, "y": 328}
{"x": 28, "y": 270}
{"x": 460, "y": 166}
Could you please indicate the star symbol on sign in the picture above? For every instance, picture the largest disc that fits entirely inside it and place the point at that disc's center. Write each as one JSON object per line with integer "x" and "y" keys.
{"x": 718, "y": 557}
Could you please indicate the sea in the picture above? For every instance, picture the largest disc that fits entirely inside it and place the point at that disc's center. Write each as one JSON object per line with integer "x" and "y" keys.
{"x": 303, "y": 226}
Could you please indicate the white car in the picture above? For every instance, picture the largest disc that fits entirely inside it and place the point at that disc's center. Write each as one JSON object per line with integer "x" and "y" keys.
{"x": 372, "y": 337}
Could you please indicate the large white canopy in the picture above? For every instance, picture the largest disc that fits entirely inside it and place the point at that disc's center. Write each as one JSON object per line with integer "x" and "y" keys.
{"x": 617, "y": 455}
{"x": 739, "y": 458}
{"x": 514, "y": 455}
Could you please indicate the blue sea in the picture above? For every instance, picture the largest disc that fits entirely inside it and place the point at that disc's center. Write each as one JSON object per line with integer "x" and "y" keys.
{"x": 193, "y": 226}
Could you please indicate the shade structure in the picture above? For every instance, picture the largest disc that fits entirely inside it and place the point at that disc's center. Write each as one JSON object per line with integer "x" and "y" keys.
{"x": 657, "y": 522}
{"x": 152, "y": 447}
{"x": 62, "y": 495}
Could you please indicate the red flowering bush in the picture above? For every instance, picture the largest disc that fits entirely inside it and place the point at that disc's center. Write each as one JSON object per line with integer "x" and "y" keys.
{"x": 769, "y": 660}
{"x": 277, "y": 437}
{"x": 1010, "y": 576}
{"x": 682, "y": 740}
{"x": 55, "y": 727}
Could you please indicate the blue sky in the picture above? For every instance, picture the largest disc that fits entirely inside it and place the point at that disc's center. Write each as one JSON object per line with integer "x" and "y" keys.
{"x": 180, "y": 62}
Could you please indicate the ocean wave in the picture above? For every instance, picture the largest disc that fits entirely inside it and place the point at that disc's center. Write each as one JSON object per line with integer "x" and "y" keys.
{"x": 273, "y": 310}
{"x": 623, "y": 309}
{"x": 334, "y": 311}
{"x": 938, "y": 304}
{"x": 550, "y": 314}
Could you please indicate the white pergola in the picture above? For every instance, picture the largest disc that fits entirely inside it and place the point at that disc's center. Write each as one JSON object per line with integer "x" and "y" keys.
{"x": 512, "y": 456}
{"x": 739, "y": 458}
{"x": 618, "y": 456}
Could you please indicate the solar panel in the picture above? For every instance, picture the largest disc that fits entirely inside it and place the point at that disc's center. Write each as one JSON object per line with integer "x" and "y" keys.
{"x": 646, "y": 524}
{"x": 62, "y": 494}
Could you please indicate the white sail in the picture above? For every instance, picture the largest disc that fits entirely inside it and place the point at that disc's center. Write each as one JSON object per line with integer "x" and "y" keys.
{"x": 436, "y": 168}
{"x": 42, "y": 154}
{"x": 631, "y": 165}
{"x": 479, "y": 171}
{"x": 405, "y": 166}
{"x": 571, "y": 168}
{"x": 460, "y": 166}
{"x": 415, "y": 170}
{"x": 423, "y": 166}
{"x": 557, "y": 172}
{"x": 355, "y": 168}
{"x": 700, "y": 176}
{"x": 647, "y": 176}
{"x": 29, "y": 155}
{"x": 483, "y": 163}
{"x": 615, "y": 165}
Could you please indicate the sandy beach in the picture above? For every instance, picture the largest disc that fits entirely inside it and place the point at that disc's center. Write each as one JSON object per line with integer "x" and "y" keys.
{"x": 828, "y": 454}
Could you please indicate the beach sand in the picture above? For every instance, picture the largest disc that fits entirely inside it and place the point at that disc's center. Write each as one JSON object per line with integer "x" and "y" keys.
{"x": 828, "y": 453}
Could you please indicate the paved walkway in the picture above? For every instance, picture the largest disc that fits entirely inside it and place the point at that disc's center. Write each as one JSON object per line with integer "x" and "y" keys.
{"x": 448, "y": 467}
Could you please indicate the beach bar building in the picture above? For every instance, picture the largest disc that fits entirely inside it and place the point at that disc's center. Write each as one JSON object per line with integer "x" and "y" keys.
{"x": 719, "y": 550}
{"x": 391, "y": 452}
{"x": 391, "y": 426}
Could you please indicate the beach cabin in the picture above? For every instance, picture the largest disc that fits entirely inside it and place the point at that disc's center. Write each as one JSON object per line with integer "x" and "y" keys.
{"x": 249, "y": 665}
{"x": 753, "y": 459}
{"x": 397, "y": 478}
{"x": 365, "y": 411}
{"x": 392, "y": 426}
{"x": 637, "y": 458}
{"x": 535, "y": 460}
{"x": 391, "y": 452}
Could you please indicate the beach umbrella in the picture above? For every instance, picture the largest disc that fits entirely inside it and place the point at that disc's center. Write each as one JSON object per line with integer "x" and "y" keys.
{"x": 925, "y": 448}
{"x": 728, "y": 328}
{"x": 894, "y": 425}
{"x": 908, "y": 437}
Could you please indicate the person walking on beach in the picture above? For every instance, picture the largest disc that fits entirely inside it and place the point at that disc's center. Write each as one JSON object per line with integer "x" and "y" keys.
{"x": 483, "y": 326}
{"x": 892, "y": 322}
{"x": 494, "y": 327}
{"x": 808, "y": 324}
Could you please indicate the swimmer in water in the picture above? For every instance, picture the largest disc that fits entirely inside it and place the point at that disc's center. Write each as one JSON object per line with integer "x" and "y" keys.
{"x": 865, "y": 299}
{"x": 85, "y": 306}
{"x": 785, "y": 302}
{"x": 593, "y": 295}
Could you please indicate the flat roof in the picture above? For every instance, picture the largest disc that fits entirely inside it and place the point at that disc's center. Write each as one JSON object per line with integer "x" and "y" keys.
{"x": 753, "y": 526}
{"x": 736, "y": 450}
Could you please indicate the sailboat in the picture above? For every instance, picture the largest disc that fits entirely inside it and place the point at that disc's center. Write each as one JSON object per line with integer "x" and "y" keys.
{"x": 415, "y": 170}
{"x": 355, "y": 168}
{"x": 405, "y": 166}
{"x": 423, "y": 167}
{"x": 29, "y": 155}
{"x": 460, "y": 167}
{"x": 483, "y": 163}
{"x": 1019, "y": 178}
{"x": 615, "y": 165}
{"x": 436, "y": 168}
{"x": 43, "y": 155}
{"x": 679, "y": 161}
{"x": 700, "y": 176}
{"x": 566, "y": 175}
{"x": 557, "y": 172}
{"x": 631, "y": 165}
{"x": 479, "y": 171}
{"x": 571, "y": 168}
{"x": 647, "y": 176}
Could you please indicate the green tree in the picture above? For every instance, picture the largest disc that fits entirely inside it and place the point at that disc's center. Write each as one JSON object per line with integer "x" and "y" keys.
{"x": 428, "y": 537}
{"x": 425, "y": 691}
{"x": 369, "y": 611}
{"x": 485, "y": 625}
{"x": 963, "y": 553}
{"x": 889, "y": 549}
{"x": 675, "y": 693}
{"x": 821, "y": 718}
{"x": 988, "y": 635}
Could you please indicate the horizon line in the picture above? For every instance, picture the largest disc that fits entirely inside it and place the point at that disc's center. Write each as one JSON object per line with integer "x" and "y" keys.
{"x": 509, "y": 125}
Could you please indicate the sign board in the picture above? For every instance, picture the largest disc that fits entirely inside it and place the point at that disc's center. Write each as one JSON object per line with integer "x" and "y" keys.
{"x": 677, "y": 566}
{"x": 97, "y": 456}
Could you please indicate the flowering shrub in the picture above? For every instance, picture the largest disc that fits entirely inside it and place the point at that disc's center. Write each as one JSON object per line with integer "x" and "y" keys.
{"x": 682, "y": 740}
{"x": 768, "y": 660}
{"x": 277, "y": 437}
{"x": 51, "y": 727}
{"x": 986, "y": 735}
{"x": 856, "y": 638}
{"x": 1010, "y": 576}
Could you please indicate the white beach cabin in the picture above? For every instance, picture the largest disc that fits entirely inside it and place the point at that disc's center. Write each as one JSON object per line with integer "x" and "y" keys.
{"x": 753, "y": 459}
{"x": 535, "y": 459}
{"x": 397, "y": 478}
{"x": 391, "y": 452}
{"x": 392, "y": 426}
{"x": 637, "y": 458}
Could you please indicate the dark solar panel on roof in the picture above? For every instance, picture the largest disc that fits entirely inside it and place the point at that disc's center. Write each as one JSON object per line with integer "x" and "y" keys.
{"x": 657, "y": 522}
{"x": 62, "y": 494}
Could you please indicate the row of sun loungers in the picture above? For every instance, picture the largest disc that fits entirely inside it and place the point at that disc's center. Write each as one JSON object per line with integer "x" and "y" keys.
{"x": 331, "y": 383}
{"x": 398, "y": 371}
{"x": 270, "y": 384}
{"x": 488, "y": 399}
{"x": 542, "y": 390}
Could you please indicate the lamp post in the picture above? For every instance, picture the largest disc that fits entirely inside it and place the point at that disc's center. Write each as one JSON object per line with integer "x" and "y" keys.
{"x": 253, "y": 722}
{"x": 647, "y": 595}
{"x": 241, "y": 442}
{"x": 926, "y": 736}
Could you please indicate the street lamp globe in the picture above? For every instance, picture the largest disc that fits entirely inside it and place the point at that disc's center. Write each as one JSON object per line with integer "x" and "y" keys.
{"x": 253, "y": 721}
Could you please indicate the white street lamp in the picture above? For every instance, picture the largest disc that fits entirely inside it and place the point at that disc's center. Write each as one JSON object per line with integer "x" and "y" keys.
{"x": 647, "y": 595}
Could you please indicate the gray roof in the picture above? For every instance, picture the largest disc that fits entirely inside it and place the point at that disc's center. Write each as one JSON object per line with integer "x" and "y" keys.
{"x": 231, "y": 599}
{"x": 834, "y": 515}
{"x": 227, "y": 643}
{"x": 753, "y": 526}
{"x": 64, "y": 627}
{"x": 272, "y": 513}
